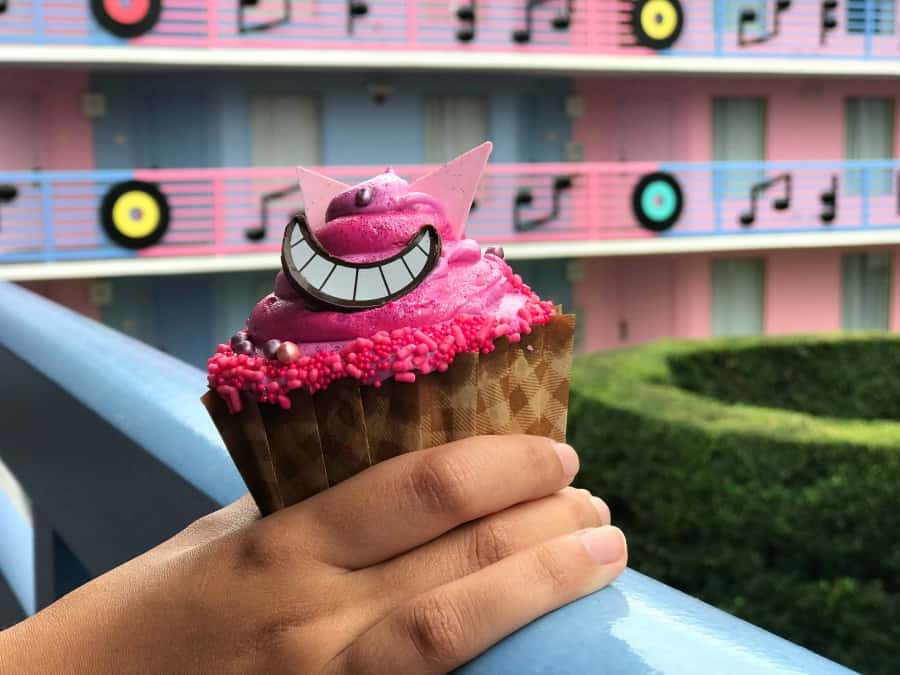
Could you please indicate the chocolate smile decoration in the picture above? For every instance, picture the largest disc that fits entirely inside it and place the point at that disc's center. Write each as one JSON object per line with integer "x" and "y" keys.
{"x": 327, "y": 282}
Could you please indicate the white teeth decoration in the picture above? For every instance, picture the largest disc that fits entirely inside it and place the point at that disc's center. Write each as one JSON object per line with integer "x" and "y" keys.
{"x": 327, "y": 282}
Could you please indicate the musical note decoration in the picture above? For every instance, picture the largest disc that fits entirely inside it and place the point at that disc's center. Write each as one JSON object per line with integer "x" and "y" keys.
{"x": 829, "y": 200}
{"x": 356, "y": 9}
{"x": 468, "y": 15}
{"x": 748, "y": 16}
{"x": 525, "y": 198}
{"x": 245, "y": 27}
{"x": 656, "y": 24}
{"x": 828, "y": 21}
{"x": 8, "y": 194}
{"x": 561, "y": 21}
{"x": 781, "y": 203}
{"x": 259, "y": 233}
{"x": 657, "y": 201}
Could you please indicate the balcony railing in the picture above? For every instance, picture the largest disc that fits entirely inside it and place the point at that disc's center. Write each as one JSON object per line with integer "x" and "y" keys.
{"x": 109, "y": 442}
{"x": 853, "y": 29}
{"x": 55, "y": 216}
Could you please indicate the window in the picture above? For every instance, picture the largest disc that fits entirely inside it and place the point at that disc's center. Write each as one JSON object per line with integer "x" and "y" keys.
{"x": 866, "y": 291}
{"x": 869, "y": 134}
{"x": 875, "y": 17}
{"x": 737, "y": 296}
{"x": 284, "y": 130}
{"x": 739, "y": 135}
{"x": 453, "y": 124}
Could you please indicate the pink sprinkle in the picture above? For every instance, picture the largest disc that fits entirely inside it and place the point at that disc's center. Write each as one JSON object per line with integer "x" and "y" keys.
{"x": 421, "y": 337}
{"x": 458, "y": 336}
{"x": 354, "y": 371}
{"x": 405, "y": 377}
{"x": 514, "y": 337}
{"x": 401, "y": 366}
{"x": 284, "y": 402}
{"x": 530, "y": 348}
{"x": 231, "y": 396}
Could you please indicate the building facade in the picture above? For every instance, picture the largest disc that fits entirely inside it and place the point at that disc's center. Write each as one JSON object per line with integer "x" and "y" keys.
{"x": 666, "y": 168}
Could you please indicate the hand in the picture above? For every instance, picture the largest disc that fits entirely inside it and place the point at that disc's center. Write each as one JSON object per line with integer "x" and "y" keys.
{"x": 416, "y": 565}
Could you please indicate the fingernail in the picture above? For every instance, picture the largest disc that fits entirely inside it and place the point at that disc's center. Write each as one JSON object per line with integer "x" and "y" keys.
{"x": 605, "y": 545}
{"x": 602, "y": 509}
{"x": 568, "y": 458}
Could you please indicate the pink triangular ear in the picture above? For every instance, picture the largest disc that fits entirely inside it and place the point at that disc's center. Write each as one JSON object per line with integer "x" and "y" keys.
{"x": 454, "y": 185}
{"x": 318, "y": 191}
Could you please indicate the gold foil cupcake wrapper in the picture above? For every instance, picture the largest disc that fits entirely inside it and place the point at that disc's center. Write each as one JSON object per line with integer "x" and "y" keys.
{"x": 286, "y": 456}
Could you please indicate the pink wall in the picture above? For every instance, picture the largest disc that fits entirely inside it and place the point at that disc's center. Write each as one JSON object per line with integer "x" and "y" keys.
{"x": 803, "y": 291}
{"x": 63, "y": 135}
{"x": 71, "y": 293}
{"x": 671, "y": 296}
{"x": 671, "y": 118}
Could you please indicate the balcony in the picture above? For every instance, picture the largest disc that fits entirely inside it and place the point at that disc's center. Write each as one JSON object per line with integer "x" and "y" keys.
{"x": 148, "y": 461}
{"x": 105, "y": 223}
{"x": 566, "y": 36}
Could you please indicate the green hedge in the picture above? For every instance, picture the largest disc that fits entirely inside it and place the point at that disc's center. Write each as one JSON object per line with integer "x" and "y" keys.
{"x": 788, "y": 520}
{"x": 857, "y": 378}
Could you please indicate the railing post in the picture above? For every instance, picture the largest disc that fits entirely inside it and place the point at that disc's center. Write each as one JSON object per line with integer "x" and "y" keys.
{"x": 412, "y": 28}
{"x": 717, "y": 194}
{"x": 212, "y": 22}
{"x": 218, "y": 195}
{"x": 865, "y": 192}
{"x": 47, "y": 217}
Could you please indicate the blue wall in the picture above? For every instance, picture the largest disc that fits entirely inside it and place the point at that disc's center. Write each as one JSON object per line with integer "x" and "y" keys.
{"x": 147, "y": 128}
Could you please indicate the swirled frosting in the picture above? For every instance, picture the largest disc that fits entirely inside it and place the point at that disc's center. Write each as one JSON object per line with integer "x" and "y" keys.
{"x": 468, "y": 301}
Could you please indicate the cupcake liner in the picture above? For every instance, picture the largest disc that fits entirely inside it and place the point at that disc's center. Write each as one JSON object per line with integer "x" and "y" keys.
{"x": 285, "y": 456}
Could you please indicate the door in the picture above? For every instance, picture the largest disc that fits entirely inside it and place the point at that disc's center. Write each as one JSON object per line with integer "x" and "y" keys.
{"x": 453, "y": 125}
{"x": 284, "y": 130}
{"x": 19, "y": 133}
{"x": 645, "y": 130}
{"x": 170, "y": 142}
{"x": 739, "y": 135}
{"x": 738, "y": 289}
{"x": 645, "y": 298}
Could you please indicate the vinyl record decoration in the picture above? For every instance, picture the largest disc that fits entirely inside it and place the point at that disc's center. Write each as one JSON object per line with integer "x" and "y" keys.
{"x": 134, "y": 214}
{"x": 127, "y": 18}
{"x": 657, "y": 23}
{"x": 657, "y": 201}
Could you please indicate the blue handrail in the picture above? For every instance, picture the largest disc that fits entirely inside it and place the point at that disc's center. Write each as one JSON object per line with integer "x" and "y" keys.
{"x": 636, "y": 626}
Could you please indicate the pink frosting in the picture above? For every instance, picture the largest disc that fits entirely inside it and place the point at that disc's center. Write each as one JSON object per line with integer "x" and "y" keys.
{"x": 468, "y": 301}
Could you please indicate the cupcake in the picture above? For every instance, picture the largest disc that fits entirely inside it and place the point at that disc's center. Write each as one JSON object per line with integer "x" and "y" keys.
{"x": 388, "y": 331}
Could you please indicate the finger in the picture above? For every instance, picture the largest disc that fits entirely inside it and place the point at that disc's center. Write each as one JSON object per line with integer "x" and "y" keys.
{"x": 448, "y": 626}
{"x": 409, "y": 500}
{"x": 480, "y": 544}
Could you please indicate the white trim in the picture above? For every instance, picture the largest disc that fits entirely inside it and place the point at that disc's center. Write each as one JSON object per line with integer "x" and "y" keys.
{"x": 133, "y": 267}
{"x": 309, "y": 59}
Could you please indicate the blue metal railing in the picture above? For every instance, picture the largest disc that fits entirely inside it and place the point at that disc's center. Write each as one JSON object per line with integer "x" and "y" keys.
{"x": 854, "y": 29}
{"x": 148, "y": 403}
{"x": 55, "y": 215}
